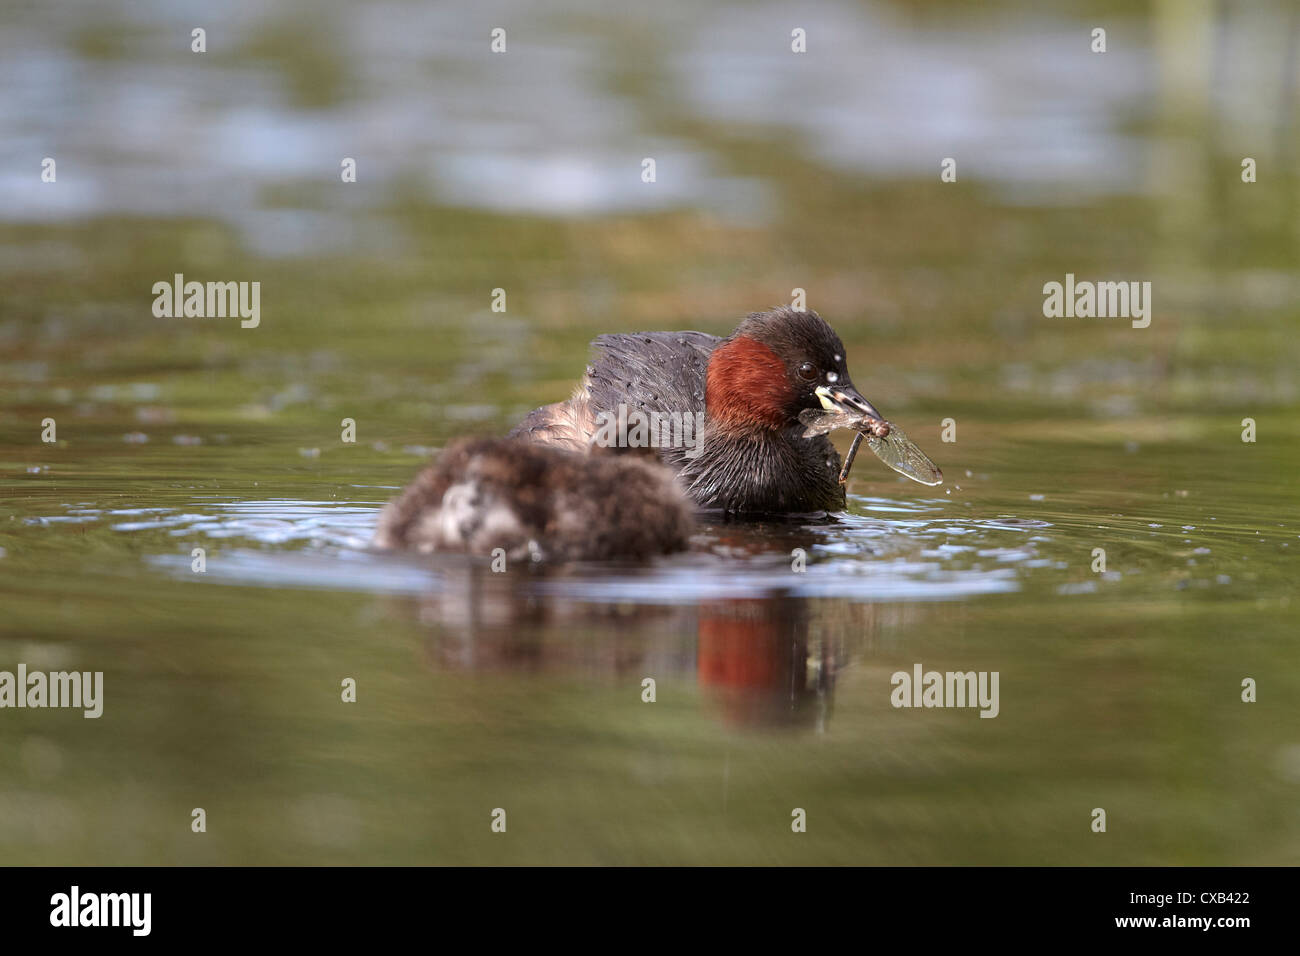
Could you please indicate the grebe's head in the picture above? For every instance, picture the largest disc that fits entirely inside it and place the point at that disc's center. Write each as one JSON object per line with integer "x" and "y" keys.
{"x": 775, "y": 365}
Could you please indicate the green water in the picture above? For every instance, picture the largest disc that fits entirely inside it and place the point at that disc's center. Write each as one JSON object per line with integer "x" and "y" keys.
{"x": 523, "y": 691}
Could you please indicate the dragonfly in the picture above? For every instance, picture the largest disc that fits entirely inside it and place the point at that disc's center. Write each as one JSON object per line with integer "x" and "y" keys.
{"x": 886, "y": 440}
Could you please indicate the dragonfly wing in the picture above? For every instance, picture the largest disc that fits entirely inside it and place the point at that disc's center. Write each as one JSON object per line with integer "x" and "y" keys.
{"x": 816, "y": 421}
{"x": 901, "y": 454}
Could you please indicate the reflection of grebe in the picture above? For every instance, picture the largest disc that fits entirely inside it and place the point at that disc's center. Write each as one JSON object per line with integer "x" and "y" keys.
{"x": 552, "y": 493}
{"x": 758, "y": 663}
{"x": 754, "y": 655}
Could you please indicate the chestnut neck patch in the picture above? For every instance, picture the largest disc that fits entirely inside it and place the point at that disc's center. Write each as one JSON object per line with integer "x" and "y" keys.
{"x": 746, "y": 386}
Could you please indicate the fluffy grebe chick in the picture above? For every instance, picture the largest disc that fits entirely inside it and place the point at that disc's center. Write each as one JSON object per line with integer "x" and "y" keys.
{"x": 538, "y": 502}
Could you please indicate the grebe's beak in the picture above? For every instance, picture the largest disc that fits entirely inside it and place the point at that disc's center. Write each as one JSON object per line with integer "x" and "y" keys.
{"x": 847, "y": 400}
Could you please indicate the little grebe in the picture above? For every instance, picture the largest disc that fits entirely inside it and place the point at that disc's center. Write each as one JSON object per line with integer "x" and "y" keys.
{"x": 551, "y": 489}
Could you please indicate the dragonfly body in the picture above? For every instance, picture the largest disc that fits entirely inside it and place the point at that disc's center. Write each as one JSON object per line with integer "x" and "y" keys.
{"x": 886, "y": 440}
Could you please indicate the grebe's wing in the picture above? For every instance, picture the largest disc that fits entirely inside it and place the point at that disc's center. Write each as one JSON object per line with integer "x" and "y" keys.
{"x": 652, "y": 371}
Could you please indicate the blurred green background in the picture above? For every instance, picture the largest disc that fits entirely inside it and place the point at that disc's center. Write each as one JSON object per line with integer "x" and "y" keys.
{"x": 775, "y": 171}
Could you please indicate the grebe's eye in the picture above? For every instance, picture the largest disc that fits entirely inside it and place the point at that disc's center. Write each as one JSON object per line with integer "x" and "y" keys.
{"x": 807, "y": 371}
